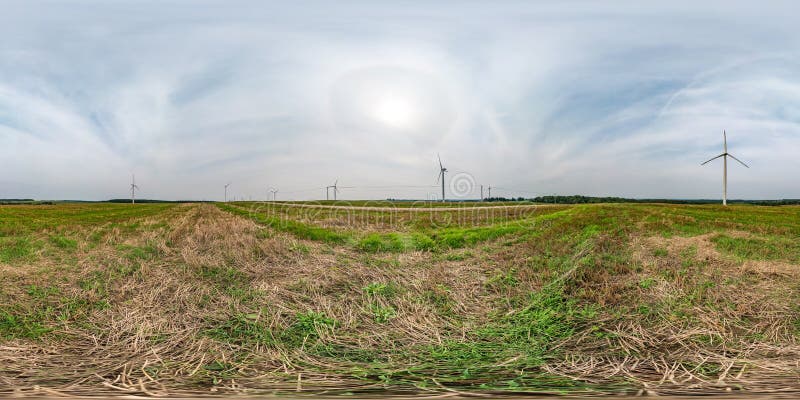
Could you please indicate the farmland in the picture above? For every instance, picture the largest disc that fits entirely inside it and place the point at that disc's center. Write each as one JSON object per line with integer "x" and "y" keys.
{"x": 384, "y": 297}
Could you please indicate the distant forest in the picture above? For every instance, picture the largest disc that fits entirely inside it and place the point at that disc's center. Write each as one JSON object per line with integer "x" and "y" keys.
{"x": 576, "y": 199}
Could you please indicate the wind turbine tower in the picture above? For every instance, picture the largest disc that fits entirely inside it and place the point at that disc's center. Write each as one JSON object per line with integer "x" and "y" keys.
{"x": 725, "y": 156}
{"x": 440, "y": 177}
{"x": 335, "y": 190}
{"x": 226, "y": 191}
{"x": 133, "y": 189}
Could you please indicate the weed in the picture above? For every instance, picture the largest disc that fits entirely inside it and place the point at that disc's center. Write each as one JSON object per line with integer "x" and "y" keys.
{"x": 647, "y": 283}
{"x": 39, "y": 292}
{"x": 382, "y": 314}
{"x": 299, "y": 248}
{"x": 503, "y": 279}
{"x": 242, "y": 329}
{"x": 307, "y": 327}
{"x": 459, "y": 256}
{"x": 63, "y": 242}
{"x": 376, "y": 289}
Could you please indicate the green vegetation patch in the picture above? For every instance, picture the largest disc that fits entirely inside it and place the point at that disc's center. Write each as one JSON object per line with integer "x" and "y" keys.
{"x": 242, "y": 329}
{"x": 498, "y": 354}
{"x": 63, "y": 242}
{"x": 15, "y": 249}
{"x": 306, "y": 329}
{"x": 40, "y": 315}
{"x": 395, "y": 242}
{"x": 299, "y": 229}
{"x": 757, "y": 248}
{"x": 251, "y": 330}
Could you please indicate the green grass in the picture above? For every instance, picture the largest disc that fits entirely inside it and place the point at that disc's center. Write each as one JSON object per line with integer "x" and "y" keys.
{"x": 250, "y": 330}
{"x": 520, "y": 341}
{"x": 298, "y": 229}
{"x": 377, "y": 289}
{"x": 241, "y": 329}
{"x": 17, "y": 249}
{"x": 44, "y": 313}
{"x": 21, "y": 325}
{"x": 64, "y": 242}
{"x": 416, "y": 237}
{"x": 306, "y": 329}
{"x": 759, "y": 248}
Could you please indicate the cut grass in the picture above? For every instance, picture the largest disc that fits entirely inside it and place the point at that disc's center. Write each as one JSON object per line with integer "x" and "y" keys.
{"x": 211, "y": 300}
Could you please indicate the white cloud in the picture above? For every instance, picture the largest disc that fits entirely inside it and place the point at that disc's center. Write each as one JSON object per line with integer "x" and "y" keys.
{"x": 604, "y": 99}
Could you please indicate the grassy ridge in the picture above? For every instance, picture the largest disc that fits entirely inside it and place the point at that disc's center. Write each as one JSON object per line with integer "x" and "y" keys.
{"x": 418, "y": 238}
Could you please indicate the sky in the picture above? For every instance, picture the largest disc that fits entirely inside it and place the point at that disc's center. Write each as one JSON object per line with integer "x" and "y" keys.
{"x": 601, "y": 98}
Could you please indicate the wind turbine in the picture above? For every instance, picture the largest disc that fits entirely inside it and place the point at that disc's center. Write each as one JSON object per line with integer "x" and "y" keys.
{"x": 226, "y": 191}
{"x": 725, "y": 156}
{"x": 440, "y": 177}
{"x": 133, "y": 189}
{"x": 274, "y": 193}
{"x": 335, "y": 190}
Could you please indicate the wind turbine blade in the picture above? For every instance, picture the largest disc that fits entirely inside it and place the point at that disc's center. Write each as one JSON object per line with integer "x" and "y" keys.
{"x": 335, "y": 183}
{"x": 740, "y": 161}
{"x": 713, "y": 159}
{"x": 438, "y": 176}
{"x": 725, "y": 140}
{"x": 440, "y": 161}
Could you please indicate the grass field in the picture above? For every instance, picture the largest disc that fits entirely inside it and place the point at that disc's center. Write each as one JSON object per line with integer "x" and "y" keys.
{"x": 249, "y": 297}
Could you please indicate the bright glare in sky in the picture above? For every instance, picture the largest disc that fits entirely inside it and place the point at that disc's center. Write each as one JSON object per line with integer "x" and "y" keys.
{"x": 394, "y": 111}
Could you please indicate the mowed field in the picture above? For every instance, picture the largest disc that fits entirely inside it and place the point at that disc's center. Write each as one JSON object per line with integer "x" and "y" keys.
{"x": 153, "y": 299}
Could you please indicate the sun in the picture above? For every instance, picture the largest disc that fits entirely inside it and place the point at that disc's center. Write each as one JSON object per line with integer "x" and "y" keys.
{"x": 398, "y": 102}
{"x": 394, "y": 111}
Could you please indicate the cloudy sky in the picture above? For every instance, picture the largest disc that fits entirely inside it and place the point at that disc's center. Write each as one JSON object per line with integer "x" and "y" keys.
{"x": 569, "y": 97}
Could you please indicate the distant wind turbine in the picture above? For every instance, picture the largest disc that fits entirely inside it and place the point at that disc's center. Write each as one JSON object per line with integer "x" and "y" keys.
{"x": 440, "y": 177}
{"x": 226, "y": 191}
{"x": 725, "y": 156}
{"x": 335, "y": 190}
{"x": 274, "y": 193}
{"x": 133, "y": 189}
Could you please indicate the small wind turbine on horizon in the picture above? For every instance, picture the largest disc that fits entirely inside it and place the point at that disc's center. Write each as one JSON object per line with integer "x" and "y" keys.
{"x": 133, "y": 189}
{"x": 725, "y": 156}
{"x": 440, "y": 177}
{"x": 335, "y": 190}
{"x": 226, "y": 191}
{"x": 274, "y": 193}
